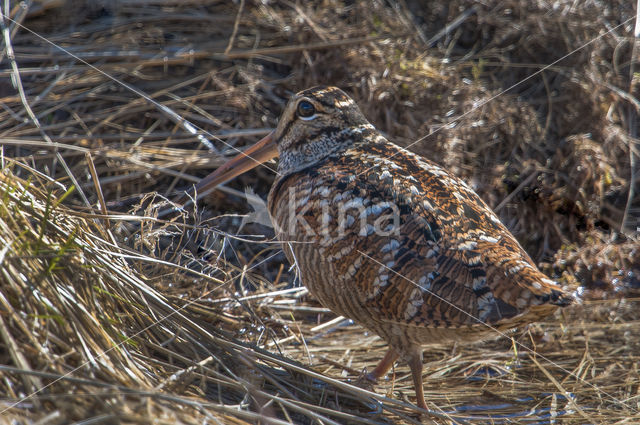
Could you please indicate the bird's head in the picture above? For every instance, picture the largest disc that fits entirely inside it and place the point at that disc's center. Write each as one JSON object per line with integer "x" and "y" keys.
{"x": 316, "y": 123}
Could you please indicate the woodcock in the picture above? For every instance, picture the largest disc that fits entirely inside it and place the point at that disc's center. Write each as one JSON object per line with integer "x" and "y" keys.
{"x": 388, "y": 238}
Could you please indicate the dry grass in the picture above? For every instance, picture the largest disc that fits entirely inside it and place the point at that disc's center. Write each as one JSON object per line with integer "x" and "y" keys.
{"x": 188, "y": 318}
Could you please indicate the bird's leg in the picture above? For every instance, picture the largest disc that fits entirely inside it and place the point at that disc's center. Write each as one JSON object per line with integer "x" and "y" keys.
{"x": 384, "y": 365}
{"x": 414, "y": 359}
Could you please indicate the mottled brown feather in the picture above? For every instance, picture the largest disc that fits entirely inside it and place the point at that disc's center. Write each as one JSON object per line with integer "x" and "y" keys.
{"x": 449, "y": 269}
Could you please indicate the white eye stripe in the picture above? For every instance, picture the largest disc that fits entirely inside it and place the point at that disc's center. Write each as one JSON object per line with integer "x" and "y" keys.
{"x": 343, "y": 103}
{"x": 312, "y": 117}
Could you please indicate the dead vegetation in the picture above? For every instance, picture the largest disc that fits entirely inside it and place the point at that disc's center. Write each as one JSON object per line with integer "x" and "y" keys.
{"x": 194, "y": 317}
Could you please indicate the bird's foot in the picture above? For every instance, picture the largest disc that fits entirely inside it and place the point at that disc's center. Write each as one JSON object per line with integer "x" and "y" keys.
{"x": 365, "y": 380}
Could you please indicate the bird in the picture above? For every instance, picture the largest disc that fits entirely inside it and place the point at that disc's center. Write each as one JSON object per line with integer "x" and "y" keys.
{"x": 388, "y": 238}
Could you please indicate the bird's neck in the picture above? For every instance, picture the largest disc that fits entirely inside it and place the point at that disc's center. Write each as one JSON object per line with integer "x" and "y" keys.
{"x": 323, "y": 145}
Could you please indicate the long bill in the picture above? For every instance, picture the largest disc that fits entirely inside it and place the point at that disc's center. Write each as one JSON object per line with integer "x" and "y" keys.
{"x": 258, "y": 154}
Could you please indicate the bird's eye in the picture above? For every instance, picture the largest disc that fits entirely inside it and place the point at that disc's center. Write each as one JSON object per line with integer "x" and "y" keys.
{"x": 306, "y": 109}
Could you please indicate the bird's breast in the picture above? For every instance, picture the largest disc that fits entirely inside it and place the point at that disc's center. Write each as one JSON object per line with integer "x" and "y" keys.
{"x": 325, "y": 226}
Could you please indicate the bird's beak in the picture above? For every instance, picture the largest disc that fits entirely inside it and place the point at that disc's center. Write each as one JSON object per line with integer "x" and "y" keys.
{"x": 257, "y": 154}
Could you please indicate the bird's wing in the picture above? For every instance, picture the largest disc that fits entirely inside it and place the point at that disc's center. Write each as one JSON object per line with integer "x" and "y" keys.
{"x": 450, "y": 262}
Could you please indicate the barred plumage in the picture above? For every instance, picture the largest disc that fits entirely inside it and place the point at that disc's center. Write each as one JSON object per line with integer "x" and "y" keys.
{"x": 388, "y": 238}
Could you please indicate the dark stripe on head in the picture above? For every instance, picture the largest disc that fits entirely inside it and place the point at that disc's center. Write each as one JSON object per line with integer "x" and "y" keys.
{"x": 327, "y": 96}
